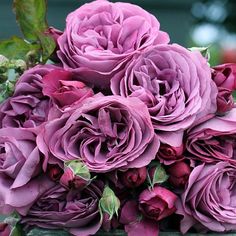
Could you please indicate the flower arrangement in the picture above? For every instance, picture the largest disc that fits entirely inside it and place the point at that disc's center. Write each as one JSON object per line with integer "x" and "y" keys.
{"x": 108, "y": 126}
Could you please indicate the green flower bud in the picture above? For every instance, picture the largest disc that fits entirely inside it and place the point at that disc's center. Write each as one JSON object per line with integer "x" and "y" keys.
{"x": 79, "y": 169}
{"x": 157, "y": 175}
{"x": 109, "y": 203}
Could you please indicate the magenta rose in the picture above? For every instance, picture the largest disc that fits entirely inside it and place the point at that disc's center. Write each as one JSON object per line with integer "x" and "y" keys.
{"x": 21, "y": 182}
{"x": 74, "y": 211}
{"x": 157, "y": 203}
{"x": 178, "y": 174}
{"x": 214, "y": 140}
{"x": 225, "y": 76}
{"x": 101, "y": 37}
{"x": 28, "y": 107}
{"x": 63, "y": 89}
{"x": 133, "y": 177}
{"x": 208, "y": 202}
{"x": 106, "y": 133}
{"x": 135, "y": 223}
{"x": 174, "y": 83}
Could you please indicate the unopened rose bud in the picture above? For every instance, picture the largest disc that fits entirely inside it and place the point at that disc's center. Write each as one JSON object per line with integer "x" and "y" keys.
{"x": 5, "y": 229}
{"x": 54, "y": 172}
{"x": 225, "y": 100}
{"x": 76, "y": 175}
{"x": 179, "y": 174}
{"x": 109, "y": 203}
{"x": 157, "y": 175}
{"x": 20, "y": 65}
{"x": 168, "y": 154}
{"x": 133, "y": 177}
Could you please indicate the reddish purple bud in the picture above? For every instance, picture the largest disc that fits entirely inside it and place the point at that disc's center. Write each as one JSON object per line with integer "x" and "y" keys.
{"x": 168, "y": 154}
{"x": 70, "y": 180}
{"x": 54, "y": 172}
{"x": 179, "y": 174}
{"x": 225, "y": 100}
{"x": 134, "y": 177}
{"x": 157, "y": 203}
{"x": 4, "y": 229}
{"x": 225, "y": 76}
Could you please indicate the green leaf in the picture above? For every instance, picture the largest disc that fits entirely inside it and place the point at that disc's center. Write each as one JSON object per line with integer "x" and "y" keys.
{"x": 17, "y": 231}
{"x": 17, "y": 48}
{"x": 48, "y": 46}
{"x": 45, "y": 232}
{"x": 31, "y": 16}
{"x": 205, "y": 51}
{"x": 234, "y": 95}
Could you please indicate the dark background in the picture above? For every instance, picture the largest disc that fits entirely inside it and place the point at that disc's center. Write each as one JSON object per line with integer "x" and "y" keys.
{"x": 188, "y": 22}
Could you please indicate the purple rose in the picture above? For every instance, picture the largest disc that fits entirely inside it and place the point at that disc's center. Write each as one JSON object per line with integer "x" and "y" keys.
{"x": 208, "y": 202}
{"x": 20, "y": 166}
{"x": 100, "y": 37}
{"x": 214, "y": 140}
{"x": 75, "y": 211}
{"x": 63, "y": 90}
{"x": 225, "y": 76}
{"x": 28, "y": 107}
{"x": 106, "y": 133}
{"x": 174, "y": 83}
{"x": 157, "y": 203}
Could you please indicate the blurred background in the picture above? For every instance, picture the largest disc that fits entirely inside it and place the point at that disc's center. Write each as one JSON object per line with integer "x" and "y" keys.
{"x": 189, "y": 22}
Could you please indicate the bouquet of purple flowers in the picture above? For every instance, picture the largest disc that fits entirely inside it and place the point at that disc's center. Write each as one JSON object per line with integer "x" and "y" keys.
{"x": 121, "y": 130}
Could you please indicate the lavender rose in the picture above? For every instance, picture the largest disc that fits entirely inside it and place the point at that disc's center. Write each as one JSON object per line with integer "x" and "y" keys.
{"x": 214, "y": 140}
{"x": 100, "y": 37}
{"x": 174, "y": 83}
{"x": 208, "y": 202}
{"x": 28, "y": 107}
{"x": 75, "y": 211}
{"x": 106, "y": 133}
{"x": 20, "y": 181}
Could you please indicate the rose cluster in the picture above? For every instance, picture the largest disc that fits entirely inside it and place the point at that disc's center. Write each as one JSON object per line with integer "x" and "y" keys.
{"x": 126, "y": 132}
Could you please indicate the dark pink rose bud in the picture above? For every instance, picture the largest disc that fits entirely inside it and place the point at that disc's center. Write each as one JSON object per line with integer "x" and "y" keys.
{"x": 179, "y": 174}
{"x": 225, "y": 100}
{"x": 157, "y": 203}
{"x": 134, "y": 177}
{"x": 61, "y": 87}
{"x": 168, "y": 154}
{"x": 225, "y": 76}
{"x": 108, "y": 224}
{"x": 4, "y": 229}
{"x": 76, "y": 175}
{"x": 54, "y": 172}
